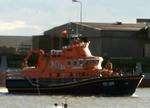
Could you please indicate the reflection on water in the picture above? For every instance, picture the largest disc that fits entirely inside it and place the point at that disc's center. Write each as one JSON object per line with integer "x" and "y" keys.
{"x": 141, "y": 99}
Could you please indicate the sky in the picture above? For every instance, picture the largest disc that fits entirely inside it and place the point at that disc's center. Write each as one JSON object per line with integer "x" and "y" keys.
{"x": 33, "y": 17}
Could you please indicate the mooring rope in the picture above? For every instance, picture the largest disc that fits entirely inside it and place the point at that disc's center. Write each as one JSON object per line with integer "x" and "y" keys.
{"x": 38, "y": 90}
{"x": 33, "y": 84}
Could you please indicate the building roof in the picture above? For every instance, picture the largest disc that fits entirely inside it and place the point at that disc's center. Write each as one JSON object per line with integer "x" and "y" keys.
{"x": 119, "y": 26}
{"x": 115, "y": 26}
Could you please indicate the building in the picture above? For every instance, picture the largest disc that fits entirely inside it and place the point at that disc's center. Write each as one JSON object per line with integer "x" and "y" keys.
{"x": 41, "y": 42}
{"x": 15, "y": 44}
{"x": 107, "y": 39}
{"x": 12, "y": 49}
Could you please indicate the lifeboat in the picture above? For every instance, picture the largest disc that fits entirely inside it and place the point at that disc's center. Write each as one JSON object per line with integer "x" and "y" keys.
{"x": 72, "y": 70}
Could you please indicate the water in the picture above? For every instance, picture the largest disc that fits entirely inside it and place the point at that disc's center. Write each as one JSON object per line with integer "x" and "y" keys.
{"x": 141, "y": 99}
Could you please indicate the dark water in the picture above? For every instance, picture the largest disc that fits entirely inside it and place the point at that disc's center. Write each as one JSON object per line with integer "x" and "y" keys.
{"x": 141, "y": 99}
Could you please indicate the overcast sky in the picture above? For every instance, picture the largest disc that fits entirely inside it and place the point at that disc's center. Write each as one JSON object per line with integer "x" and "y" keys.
{"x": 32, "y": 17}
